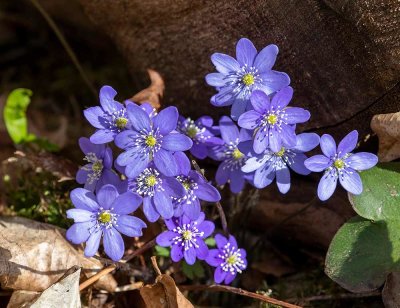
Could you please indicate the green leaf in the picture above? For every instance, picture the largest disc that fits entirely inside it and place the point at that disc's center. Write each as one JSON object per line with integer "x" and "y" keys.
{"x": 361, "y": 254}
{"x": 193, "y": 271}
{"x": 15, "y": 115}
{"x": 161, "y": 251}
{"x": 210, "y": 242}
{"x": 366, "y": 249}
{"x": 380, "y": 199}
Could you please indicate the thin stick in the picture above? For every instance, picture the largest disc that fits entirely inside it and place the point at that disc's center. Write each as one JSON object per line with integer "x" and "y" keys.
{"x": 221, "y": 288}
{"x": 130, "y": 287}
{"x": 112, "y": 267}
{"x": 336, "y": 296}
{"x": 65, "y": 44}
{"x": 221, "y": 212}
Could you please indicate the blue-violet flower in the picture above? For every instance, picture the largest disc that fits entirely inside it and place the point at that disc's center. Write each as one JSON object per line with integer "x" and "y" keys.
{"x": 196, "y": 189}
{"x": 270, "y": 165}
{"x": 98, "y": 170}
{"x": 340, "y": 163}
{"x": 272, "y": 120}
{"x": 151, "y": 139}
{"x": 157, "y": 191}
{"x": 186, "y": 238}
{"x": 228, "y": 259}
{"x": 238, "y": 78}
{"x": 109, "y": 119}
{"x": 232, "y": 159}
{"x": 107, "y": 215}
{"x": 200, "y": 133}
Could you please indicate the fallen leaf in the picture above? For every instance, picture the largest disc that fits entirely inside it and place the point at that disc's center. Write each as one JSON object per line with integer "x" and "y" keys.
{"x": 34, "y": 255}
{"x": 164, "y": 293}
{"x": 387, "y": 127}
{"x": 391, "y": 291}
{"x": 153, "y": 93}
{"x": 63, "y": 293}
{"x": 20, "y": 298}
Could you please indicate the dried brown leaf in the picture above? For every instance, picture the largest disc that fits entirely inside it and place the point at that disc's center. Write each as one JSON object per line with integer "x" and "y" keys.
{"x": 153, "y": 93}
{"x": 20, "y": 298}
{"x": 34, "y": 255}
{"x": 387, "y": 127}
{"x": 164, "y": 293}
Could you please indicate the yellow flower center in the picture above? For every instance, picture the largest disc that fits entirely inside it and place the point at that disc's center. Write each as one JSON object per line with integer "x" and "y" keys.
{"x": 186, "y": 185}
{"x": 121, "y": 122}
{"x": 281, "y": 152}
{"x": 187, "y": 235}
{"x": 339, "y": 164}
{"x": 97, "y": 166}
{"x": 237, "y": 154}
{"x": 151, "y": 141}
{"x": 272, "y": 119}
{"x": 231, "y": 260}
{"x": 104, "y": 217}
{"x": 248, "y": 79}
{"x": 192, "y": 132}
{"x": 151, "y": 180}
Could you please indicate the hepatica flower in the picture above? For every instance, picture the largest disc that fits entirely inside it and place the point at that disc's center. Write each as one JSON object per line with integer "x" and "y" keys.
{"x": 271, "y": 165}
{"x": 151, "y": 139}
{"x": 105, "y": 215}
{"x": 196, "y": 189}
{"x": 232, "y": 159}
{"x": 340, "y": 163}
{"x": 228, "y": 259}
{"x": 199, "y": 132}
{"x": 238, "y": 78}
{"x": 273, "y": 120}
{"x": 97, "y": 170}
{"x": 186, "y": 238}
{"x": 110, "y": 118}
{"x": 157, "y": 191}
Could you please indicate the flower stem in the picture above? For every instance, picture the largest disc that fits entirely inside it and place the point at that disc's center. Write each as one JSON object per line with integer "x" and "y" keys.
{"x": 221, "y": 212}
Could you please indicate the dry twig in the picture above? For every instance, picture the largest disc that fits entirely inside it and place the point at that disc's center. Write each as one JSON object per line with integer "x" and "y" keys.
{"x": 221, "y": 288}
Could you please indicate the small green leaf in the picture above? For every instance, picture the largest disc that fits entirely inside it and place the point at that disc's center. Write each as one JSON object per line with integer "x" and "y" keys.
{"x": 161, "y": 251}
{"x": 361, "y": 254}
{"x": 366, "y": 249}
{"x": 210, "y": 242}
{"x": 15, "y": 115}
{"x": 193, "y": 271}
{"x": 380, "y": 199}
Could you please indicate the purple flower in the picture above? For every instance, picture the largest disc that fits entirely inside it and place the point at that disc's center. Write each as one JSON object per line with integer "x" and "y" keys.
{"x": 339, "y": 163}
{"x": 273, "y": 121}
{"x": 271, "y": 164}
{"x": 199, "y": 132}
{"x": 232, "y": 158}
{"x": 157, "y": 191}
{"x": 151, "y": 139}
{"x": 97, "y": 172}
{"x": 238, "y": 78}
{"x": 109, "y": 119}
{"x": 196, "y": 189}
{"x": 107, "y": 215}
{"x": 186, "y": 238}
{"x": 228, "y": 259}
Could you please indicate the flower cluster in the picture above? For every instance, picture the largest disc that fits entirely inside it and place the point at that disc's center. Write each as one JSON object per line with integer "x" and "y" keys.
{"x": 152, "y": 169}
{"x": 260, "y": 100}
